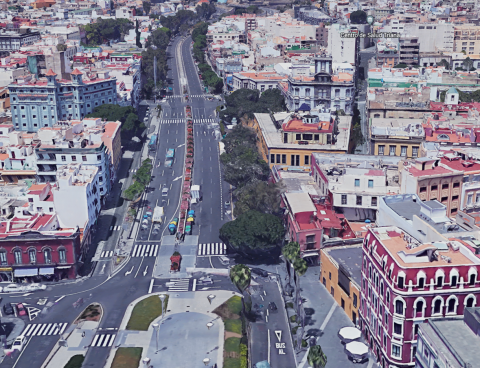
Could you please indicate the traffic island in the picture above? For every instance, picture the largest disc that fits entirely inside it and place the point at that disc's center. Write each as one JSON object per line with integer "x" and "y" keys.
{"x": 145, "y": 312}
{"x": 127, "y": 358}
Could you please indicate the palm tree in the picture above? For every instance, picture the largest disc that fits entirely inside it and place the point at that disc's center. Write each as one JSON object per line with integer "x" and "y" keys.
{"x": 316, "y": 357}
{"x": 241, "y": 278}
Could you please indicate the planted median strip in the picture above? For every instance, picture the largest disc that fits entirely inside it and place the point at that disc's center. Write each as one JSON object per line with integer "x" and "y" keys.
{"x": 127, "y": 358}
{"x": 145, "y": 312}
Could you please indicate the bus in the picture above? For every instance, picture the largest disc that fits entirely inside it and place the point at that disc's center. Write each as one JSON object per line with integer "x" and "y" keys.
{"x": 169, "y": 157}
{"x": 152, "y": 145}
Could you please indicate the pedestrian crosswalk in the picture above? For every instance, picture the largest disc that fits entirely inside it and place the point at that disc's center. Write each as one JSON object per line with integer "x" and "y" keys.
{"x": 107, "y": 254}
{"x": 145, "y": 250}
{"x": 203, "y": 121}
{"x": 178, "y": 285}
{"x": 182, "y": 121}
{"x": 45, "y": 329}
{"x": 212, "y": 249}
{"x": 115, "y": 228}
{"x": 133, "y": 170}
{"x": 103, "y": 340}
{"x": 181, "y": 96}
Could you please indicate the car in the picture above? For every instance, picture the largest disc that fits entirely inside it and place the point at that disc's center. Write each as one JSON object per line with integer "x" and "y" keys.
{"x": 21, "y": 310}
{"x": 13, "y": 288}
{"x": 164, "y": 192}
{"x": 259, "y": 272}
{"x": 224, "y": 260}
{"x": 227, "y": 204}
{"x": 35, "y": 286}
{"x": 8, "y": 309}
{"x": 272, "y": 306}
{"x": 19, "y": 343}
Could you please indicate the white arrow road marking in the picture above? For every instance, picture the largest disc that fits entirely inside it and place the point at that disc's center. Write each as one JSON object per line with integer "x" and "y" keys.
{"x": 183, "y": 144}
{"x": 42, "y": 301}
{"x": 177, "y": 178}
{"x": 32, "y": 312}
{"x": 27, "y": 294}
{"x": 279, "y": 335}
{"x": 129, "y": 272}
{"x": 145, "y": 272}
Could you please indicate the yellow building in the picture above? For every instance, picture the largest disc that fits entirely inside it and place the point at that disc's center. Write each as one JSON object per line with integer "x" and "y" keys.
{"x": 290, "y": 138}
{"x": 341, "y": 273}
{"x": 396, "y": 137}
{"x": 467, "y": 38}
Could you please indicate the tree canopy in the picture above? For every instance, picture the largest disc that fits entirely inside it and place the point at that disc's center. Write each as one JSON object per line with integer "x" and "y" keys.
{"x": 104, "y": 30}
{"x": 261, "y": 196}
{"x": 127, "y": 115}
{"x": 147, "y": 6}
{"x": 205, "y": 11}
{"x": 316, "y": 357}
{"x": 358, "y": 17}
{"x": 291, "y": 252}
{"x": 241, "y": 277}
{"x": 142, "y": 178}
{"x": 252, "y": 9}
{"x": 254, "y": 234}
{"x": 247, "y": 102}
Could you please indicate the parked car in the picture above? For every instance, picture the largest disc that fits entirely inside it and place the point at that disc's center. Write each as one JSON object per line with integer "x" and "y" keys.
{"x": 21, "y": 310}
{"x": 8, "y": 309}
{"x": 272, "y": 306}
{"x": 13, "y": 288}
{"x": 19, "y": 343}
{"x": 259, "y": 272}
{"x": 165, "y": 192}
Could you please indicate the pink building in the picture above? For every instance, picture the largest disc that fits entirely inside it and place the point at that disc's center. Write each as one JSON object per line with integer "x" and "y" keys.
{"x": 404, "y": 283}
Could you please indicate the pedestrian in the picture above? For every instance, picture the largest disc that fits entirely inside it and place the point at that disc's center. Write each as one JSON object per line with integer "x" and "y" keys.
{"x": 83, "y": 334}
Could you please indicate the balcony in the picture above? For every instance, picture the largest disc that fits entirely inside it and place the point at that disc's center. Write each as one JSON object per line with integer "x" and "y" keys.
{"x": 51, "y": 157}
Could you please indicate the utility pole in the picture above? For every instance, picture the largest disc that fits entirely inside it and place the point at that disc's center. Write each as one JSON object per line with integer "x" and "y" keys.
{"x": 155, "y": 79}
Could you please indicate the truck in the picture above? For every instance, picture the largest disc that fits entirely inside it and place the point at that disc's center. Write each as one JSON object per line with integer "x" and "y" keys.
{"x": 158, "y": 214}
{"x": 169, "y": 157}
{"x": 195, "y": 193}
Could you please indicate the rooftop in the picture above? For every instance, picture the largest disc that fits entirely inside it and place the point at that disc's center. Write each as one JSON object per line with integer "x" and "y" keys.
{"x": 350, "y": 257}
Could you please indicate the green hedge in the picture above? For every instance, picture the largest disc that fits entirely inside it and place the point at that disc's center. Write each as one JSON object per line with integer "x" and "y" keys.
{"x": 75, "y": 361}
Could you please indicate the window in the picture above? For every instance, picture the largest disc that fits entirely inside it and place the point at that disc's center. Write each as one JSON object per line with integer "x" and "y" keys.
{"x": 396, "y": 351}
{"x": 456, "y": 184}
{"x": 64, "y": 158}
{"x": 84, "y": 158}
{"x": 344, "y": 199}
{"x": 298, "y": 137}
{"x": 381, "y": 150}
{"x": 472, "y": 279}
{"x": 74, "y": 158}
{"x": 401, "y": 282}
{"x": 388, "y": 297}
{"x": 357, "y": 182}
{"x": 99, "y": 157}
{"x": 50, "y": 209}
{"x": 374, "y": 201}
{"x": 437, "y": 306}
{"x": 397, "y": 328}
{"x": 32, "y": 255}
{"x": 414, "y": 151}
{"x": 359, "y": 200}
{"x": 272, "y": 158}
{"x": 381, "y": 289}
{"x": 284, "y": 159}
{"x": 453, "y": 281}
{"x": 434, "y": 187}
{"x": 439, "y": 281}
{"x": 393, "y": 150}
{"x": 342, "y": 304}
{"x": 452, "y": 305}
{"x": 403, "y": 151}
{"x": 421, "y": 282}
{"x": 307, "y": 160}
{"x": 47, "y": 256}
{"x": 277, "y": 158}
{"x": 332, "y": 291}
{"x": 445, "y": 186}
{"x": 419, "y": 308}
{"x": 423, "y": 189}
{"x": 329, "y": 275}
{"x": 18, "y": 256}
{"x": 469, "y": 301}
{"x": 370, "y": 183}
{"x": 62, "y": 256}
{"x": 355, "y": 300}
{"x": 399, "y": 307}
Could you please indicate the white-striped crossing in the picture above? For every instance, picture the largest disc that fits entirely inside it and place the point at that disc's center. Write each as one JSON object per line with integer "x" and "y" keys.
{"x": 107, "y": 254}
{"x": 115, "y": 228}
{"x": 179, "y": 285}
{"x": 45, "y": 329}
{"x": 174, "y": 96}
{"x": 212, "y": 249}
{"x": 145, "y": 250}
{"x": 133, "y": 170}
{"x": 183, "y": 121}
{"x": 203, "y": 121}
{"x": 103, "y": 340}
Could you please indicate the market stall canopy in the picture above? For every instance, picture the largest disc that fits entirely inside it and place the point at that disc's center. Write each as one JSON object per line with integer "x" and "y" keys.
{"x": 356, "y": 349}
{"x": 349, "y": 334}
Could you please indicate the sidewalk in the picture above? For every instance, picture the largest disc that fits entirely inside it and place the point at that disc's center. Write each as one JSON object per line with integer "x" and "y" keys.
{"x": 185, "y": 320}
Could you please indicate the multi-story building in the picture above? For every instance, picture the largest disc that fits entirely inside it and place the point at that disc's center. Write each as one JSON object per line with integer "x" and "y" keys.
{"x": 11, "y": 41}
{"x": 452, "y": 342}
{"x": 432, "y": 180}
{"x": 433, "y": 36}
{"x": 260, "y": 81}
{"x": 289, "y": 139}
{"x": 355, "y": 183}
{"x": 90, "y": 142}
{"x": 467, "y": 39}
{"x": 341, "y": 275}
{"x": 38, "y": 103}
{"x": 409, "y": 50}
{"x": 325, "y": 90}
{"x": 321, "y": 34}
{"x": 396, "y": 137}
{"x": 387, "y": 53}
{"x": 405, "y": 283}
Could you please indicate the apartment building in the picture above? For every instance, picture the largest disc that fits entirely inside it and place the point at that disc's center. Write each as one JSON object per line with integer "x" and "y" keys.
{"x": 409, "y": 50}
{"x": 467, "y": 39}
{"x": 11, "y": 41}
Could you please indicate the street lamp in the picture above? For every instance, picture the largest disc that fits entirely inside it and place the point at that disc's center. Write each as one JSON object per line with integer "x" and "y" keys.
{"x": 210, "y": 298}
{"x": 206, "y": 361}
{"x": 162, "y": 299}
{"x": 146, "y": 361}
{"x": 209, "y": 324}
{"x": 155, "y": 327}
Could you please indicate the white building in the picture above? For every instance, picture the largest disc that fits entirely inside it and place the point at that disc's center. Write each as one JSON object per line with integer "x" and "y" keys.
{"x": 342, "y": 49}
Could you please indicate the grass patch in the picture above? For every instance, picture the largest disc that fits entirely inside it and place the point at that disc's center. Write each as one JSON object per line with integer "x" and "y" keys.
{"x": 234, "y": 304}
{"x": 289, "y": 305}
{"x": 145, "y": 313}
{"x": 75, "y": 361}
{"x": 231, "y": 363}
{"x": 127, "y": 358}
{"x": 294, "y": 330}
{"x": 304, "y": 343}
{"x": 232, "y": 344}
{"x": 92, "y": 313}
{"x": 233, "y": 325}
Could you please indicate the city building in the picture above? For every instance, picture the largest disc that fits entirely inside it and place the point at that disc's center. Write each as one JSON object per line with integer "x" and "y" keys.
{"x": 39, "y": 103}
{"x": 289, "y": 139}
{"x": 11, "y": 41}
{"x": 405, "y": 283}
{"x": 452, "y": 342}
{"x": 396, "y": 137}
{"x": 325, "y": 90}
{"x": 409, "y": 50}
{"x": 430, "y": 180}
{"x": 466, "y": 37}
{"x": 340, "y": 273}
{"x": 256, "y": 80}
{"x": 354, "y": 184}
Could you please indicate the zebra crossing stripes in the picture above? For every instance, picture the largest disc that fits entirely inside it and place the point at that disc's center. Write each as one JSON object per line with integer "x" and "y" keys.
{"x": 103, "y": 340}
{"x": 179, "y": 285}
{"x": 212, "y": 249}
{"x": 133, "y": 170}
{"x": 197, "y": 96}
{"x": 203, "y": 121}
{"x": 174, "y": 96}
{"x": 173, "y": 121}
{"x": 107, "y": 254}
{"x": 45, "y": 329}
{"x": 145, "y": 250}
{"x": 115, "y": 228}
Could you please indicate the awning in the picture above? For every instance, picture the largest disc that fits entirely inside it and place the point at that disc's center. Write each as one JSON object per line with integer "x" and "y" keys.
{"x": 6, "y": 269}
{"x": 22, "y": 272}
{"x": 46, "y": 271}
{"x": 310, "y": 253}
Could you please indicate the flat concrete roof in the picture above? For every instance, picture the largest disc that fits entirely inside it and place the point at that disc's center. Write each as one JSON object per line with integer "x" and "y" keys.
{"x": 351, "y": 258}
{"x": 300, "y": 202}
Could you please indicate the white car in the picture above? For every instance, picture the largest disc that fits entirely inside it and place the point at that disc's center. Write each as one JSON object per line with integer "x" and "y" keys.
{"x": 19, "y": 343}
{"x": 165, "y": 192}
{"x": 13, "y": 288}
{"x": 35, "y": 286}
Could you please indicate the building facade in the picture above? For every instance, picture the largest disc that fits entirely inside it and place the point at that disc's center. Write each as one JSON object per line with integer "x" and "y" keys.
{"x": 38, "y": 104}
{"x": 11, "y": 41}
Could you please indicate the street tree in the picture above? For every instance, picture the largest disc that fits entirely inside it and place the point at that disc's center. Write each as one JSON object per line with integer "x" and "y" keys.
{"x": 147, "y": 6}
{"x": 467, "y": 64}
{"x": 254, "y": 234}
{"x": 133, "y": 191}
{"x": 316, "y": 357}
{"x": 260, "y": 196}
{"x": 358, "y": 17}
{"x": 245, "y": 166}
{"x": 444, "y": 63}
{"x": 241, "y": 277}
